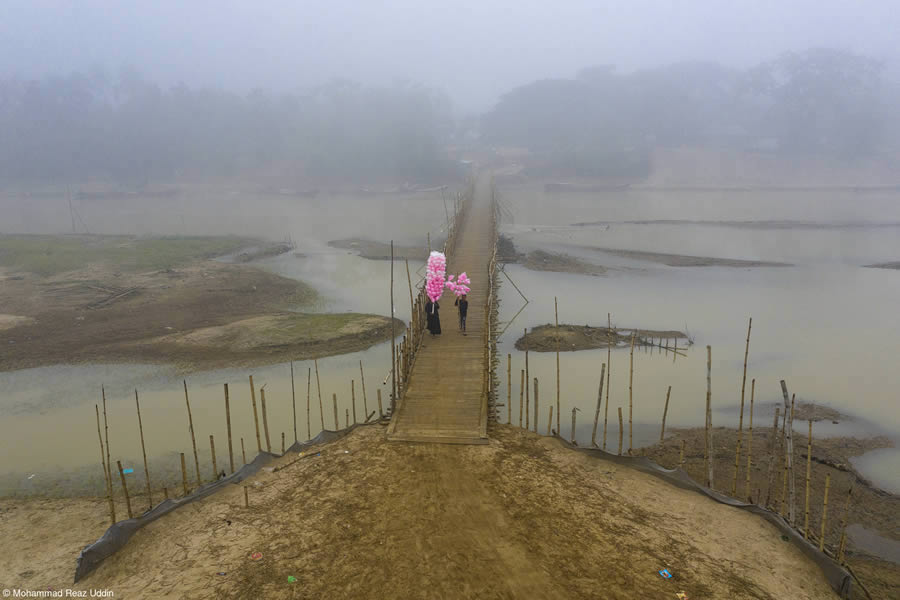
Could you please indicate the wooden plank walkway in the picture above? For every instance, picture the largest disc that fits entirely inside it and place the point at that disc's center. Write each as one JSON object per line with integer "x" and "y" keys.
{"x": 443, "y": 401}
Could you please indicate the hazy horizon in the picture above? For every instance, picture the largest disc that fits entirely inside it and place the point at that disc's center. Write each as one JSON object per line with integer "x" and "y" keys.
{"x": 473, "y": 51}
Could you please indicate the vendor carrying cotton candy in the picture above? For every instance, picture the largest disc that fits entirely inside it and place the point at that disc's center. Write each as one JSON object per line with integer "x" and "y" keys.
{"x": 434, "y": 288}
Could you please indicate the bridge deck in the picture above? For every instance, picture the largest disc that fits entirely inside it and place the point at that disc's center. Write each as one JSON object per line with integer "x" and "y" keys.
{"x": 443, "y": 402}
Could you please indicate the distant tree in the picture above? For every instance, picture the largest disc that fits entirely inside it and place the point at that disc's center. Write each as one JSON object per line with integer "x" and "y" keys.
{"x": 132, "y": 131}
{"x": 822, "y": 100}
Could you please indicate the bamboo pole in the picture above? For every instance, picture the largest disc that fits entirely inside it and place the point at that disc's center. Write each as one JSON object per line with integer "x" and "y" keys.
{"x": 411, "y": 303}
{"x": 143, "y": 449}
{"x": 527, "y": 379}
{"x": 509, "y": 388}
{"x": 380, "y": 412}
{"x": 574, "y": 410}
{"x": 228, "y": 427}
{"x": 772, "y": 457}
{"x": 362, "y": 379}
{"x": 824, "y": 512}
{"x": 393, "y": 341}
{"x": 630, "y": 402}
{"x": 184, "y": 483}
{"x": 558, "y": 409}
{"x": 709, "y": 446}
{"x": 112, "y": 508}
{"x": 662, "y": 432}
{"x": 782, "y": 500}
{"x": 536, "y": 396}
{"x": 265, "y": 415}
{"x": 106, "y": 442}
{"x": 597, "y": 414}
{"x": 353, "y": 399}
{"x": 191, "y": 427}
{"x": 294, "y": 401}
{"x": 750, "y": 442}
{"x": 789, "y": 452}
{"x": 620, "y": 431}
{"x": 243, "y": 452}
{"x": 131, "y": 516}
{"x": 319, "y": 392}
{"x": 737, "y": 452}
{"x": 550, "y": 422}
{"x": 608, "y": 373}
{"x": 282, "y": 442}
{"x": 212, "y": 452}
{"x": 337, "y": 425}
{"x": 521, "y": 395}
{"x": 808, "y": 472}
{"x": 843, "y": 543}
{"x": 308, "y": 387}
{"x": 246, "y": 498}
{"x": 255, "y": 415}
{"x": 346, "y": 418}
{"x": 165, "y": 493}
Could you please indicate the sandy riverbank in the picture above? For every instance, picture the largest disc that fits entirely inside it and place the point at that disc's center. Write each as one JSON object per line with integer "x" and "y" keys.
{"x": 872, "y": 508}
{"x": 520, "y": 517}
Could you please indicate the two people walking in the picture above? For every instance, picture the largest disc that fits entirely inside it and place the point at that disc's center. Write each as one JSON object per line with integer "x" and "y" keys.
{"x": 433, "y": 318}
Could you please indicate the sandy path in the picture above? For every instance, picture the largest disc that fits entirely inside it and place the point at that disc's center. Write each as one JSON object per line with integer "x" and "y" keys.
{"x": 521, "y": 517}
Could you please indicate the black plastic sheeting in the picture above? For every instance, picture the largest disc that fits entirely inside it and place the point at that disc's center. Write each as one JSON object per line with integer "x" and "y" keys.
{"x": 838, "y": 577}
{"x": 118, "y": 534}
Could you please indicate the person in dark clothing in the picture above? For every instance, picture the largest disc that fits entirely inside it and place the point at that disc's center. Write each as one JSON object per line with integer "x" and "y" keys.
{"x": 433, "y": 317}
{"x": 463, "y": 305}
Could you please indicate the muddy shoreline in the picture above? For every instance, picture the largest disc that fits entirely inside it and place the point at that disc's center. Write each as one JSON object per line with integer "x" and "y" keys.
{"x": 870, "y": 507}
{"x": 115, "y": 299}
{"x": 373, "y": 250}
{"x": 683, "y": 260}
{"x": 572, "y": 338}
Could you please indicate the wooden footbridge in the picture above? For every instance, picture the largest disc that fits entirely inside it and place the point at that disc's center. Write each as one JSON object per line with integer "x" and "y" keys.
{"x": 446, "y": 381}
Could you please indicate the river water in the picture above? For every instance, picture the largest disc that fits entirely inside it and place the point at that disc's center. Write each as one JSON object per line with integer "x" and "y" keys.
{"x": 825, "y": 325}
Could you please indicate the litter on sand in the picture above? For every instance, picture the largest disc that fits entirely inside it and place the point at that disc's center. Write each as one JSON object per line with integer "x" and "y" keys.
{"x": 665, "y": 574}
{"x": 292, "y": 579}
{"x": 256, "y": 556}
{"x": 32, "y": 476}
{"x": 681, "y": 596}
{"x": 346, "y": 452}
{"x": 127, "y": 471}
{"x": 220, "y": 573}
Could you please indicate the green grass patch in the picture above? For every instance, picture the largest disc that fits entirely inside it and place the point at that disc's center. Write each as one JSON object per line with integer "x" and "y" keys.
{"x": 52, "y": 254}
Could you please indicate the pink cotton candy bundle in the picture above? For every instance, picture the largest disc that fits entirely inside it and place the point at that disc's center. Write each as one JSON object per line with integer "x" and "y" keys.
{"x": 434, "y": 276}
{"x": 460, "y": 286}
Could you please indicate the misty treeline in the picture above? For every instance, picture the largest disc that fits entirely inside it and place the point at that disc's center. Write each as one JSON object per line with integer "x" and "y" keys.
{"x": 133, "y": 131}
{"x": 122, "y": 127}
{"x": 821, "y": 102}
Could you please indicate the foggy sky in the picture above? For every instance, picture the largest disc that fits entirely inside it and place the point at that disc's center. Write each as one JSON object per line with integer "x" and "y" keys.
{"x": 473, "y": 49}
